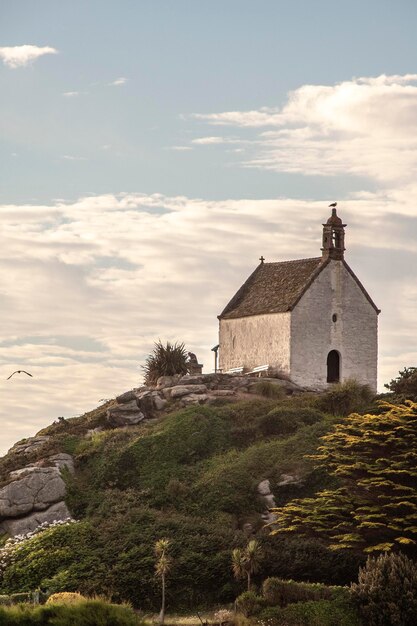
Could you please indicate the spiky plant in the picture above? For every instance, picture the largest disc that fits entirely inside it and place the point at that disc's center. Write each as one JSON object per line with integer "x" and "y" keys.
{"x": 165, "y": 360}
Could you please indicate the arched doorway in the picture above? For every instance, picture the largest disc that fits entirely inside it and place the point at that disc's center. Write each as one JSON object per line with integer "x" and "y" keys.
{"x": 333, "y": 367}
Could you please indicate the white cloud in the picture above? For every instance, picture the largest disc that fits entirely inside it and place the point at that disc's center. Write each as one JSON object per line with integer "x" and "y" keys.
{"x": 71, "y": 157}
{"x": 118, "y": 82}
{"x": 88, "y": 286}
{"x": 365, "y": 127}
{"x": 71, "y": 94}
{"x": 180, "y": 148}
{"x": 20, "y": 56}
{"x": 208, "y": 140}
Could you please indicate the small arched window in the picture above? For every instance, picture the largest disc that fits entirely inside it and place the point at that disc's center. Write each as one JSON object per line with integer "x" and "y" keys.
{"x": 333, "y": 367}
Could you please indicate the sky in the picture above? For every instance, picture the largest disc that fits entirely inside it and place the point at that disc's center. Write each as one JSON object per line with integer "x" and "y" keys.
{"x": 152, "y": 150}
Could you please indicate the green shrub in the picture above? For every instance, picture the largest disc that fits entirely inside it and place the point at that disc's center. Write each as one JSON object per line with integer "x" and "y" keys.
{"x": 284, "y": 420}
{"x": 386, "y": 591}
{"x": 89, "y": 613}
{"x": 345, "y": 398}
{"x": 165, "y": 360}
{"x": 249, "y": 604}
{"x": 268, "y": 390}
{"x": 282, "y": 592}
{"x": 312, "y": 613}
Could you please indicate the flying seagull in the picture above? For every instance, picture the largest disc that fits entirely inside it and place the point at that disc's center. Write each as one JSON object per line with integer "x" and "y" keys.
{"x": 19, "y": 372}
{"x": 333, "y": 205}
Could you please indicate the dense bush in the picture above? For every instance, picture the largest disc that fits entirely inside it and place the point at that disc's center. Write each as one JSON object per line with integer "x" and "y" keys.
{"x": 249, "y": 603}
{"x": 165, "y": 360}
{"x": 309, "y": 559}
{"x": 345, "y": 398}
{"x": 284, "y": 420}
{"x": 268, "y": 390}
{"x": 88, "y": 613}
{"x": 277, "y": 591}
{"x": 313, "y": 613}
{"x": 386, "y": 592}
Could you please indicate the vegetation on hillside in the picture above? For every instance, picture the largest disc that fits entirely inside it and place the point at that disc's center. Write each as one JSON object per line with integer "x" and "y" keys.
{"x": 373, "y": 506}
{"x": 191, "y": 477}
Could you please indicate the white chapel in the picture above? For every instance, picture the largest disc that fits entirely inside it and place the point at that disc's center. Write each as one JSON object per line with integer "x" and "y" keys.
{"x": 311, "y": 319}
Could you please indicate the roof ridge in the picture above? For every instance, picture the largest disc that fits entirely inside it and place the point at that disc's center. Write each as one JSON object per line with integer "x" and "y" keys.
{"x": 313, "y": 258}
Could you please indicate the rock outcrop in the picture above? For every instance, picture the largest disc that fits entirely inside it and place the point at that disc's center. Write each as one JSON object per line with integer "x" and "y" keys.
{"x": 143, "y": 403}
{"x": 35, "y": 492}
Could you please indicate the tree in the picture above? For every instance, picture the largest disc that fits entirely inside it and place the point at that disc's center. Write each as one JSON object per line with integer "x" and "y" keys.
{"x": 373, "y": 506}
{"x": 165, "y": 360}
{"x": 404, "y": 387}
{"x": 247, "y": 561}
{"x": 162, "y": 568}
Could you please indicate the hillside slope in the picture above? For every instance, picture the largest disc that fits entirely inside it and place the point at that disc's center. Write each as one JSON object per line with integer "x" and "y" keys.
{"x": 196, "y": 475}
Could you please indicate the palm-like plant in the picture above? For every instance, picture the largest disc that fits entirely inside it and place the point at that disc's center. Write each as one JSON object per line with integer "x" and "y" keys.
{"x": 165, "y": 360}
{"x": 247, "y": 561}
{"x": 162, "y": 568}
{"x": 254, "y": 556}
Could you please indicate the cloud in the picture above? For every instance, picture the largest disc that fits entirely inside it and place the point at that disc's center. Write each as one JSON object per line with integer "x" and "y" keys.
{"x": 364, "y": 127}
{"x": 88, "y": 286}
{"x": 208, "y": 140}
{"x": 70, "y": 157}
{"x": 180, "y": 148}
{"x": 71, "y": 94}
{"x": 20, "y": 56}
{"x": 118, "y": 82}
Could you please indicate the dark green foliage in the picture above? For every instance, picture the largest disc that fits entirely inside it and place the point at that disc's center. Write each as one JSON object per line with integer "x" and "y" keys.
{"x": 165, "y": 360}
{"x": 339, "y": 612}
{"x": 386, "y": 592}
{"x": 112, "y": 554}
{"x": 345, "y": 398}
{"x": 404, "y": 387}
{"x": 88, "y": 613}
{"x": 284, "y": 420}
{"x": 248, "y": 603}
{"x": 307, "y": 558}
{"x": 374, "y": 507}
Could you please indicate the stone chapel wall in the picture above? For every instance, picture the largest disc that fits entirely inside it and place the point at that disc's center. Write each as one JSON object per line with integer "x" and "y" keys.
{"x": 314, "y": 334}
{"x": 255, "y": 340}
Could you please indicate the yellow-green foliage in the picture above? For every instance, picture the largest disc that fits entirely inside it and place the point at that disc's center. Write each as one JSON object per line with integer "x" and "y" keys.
{"x": 66, "y": 597}
{"x": 374, "y": 508}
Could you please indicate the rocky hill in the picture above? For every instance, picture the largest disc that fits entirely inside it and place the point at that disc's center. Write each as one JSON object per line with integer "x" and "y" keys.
{"x": 198, "y": 459}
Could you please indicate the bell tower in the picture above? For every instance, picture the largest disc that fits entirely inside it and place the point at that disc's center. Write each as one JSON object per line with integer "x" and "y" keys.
{"x": 333, "y": 237}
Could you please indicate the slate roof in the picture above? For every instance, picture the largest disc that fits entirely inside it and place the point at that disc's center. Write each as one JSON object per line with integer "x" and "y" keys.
{"x": 273, "y": 288}
{"x": 277, "y": 287}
